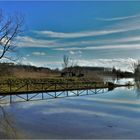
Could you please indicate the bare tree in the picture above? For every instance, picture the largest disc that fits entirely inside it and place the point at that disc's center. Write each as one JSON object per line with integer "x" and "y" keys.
{"x": 66, "y": 61}
{"x": 135, "y": 66}
{"x": 10, "y": 27}
{"x": 67, "y": 65}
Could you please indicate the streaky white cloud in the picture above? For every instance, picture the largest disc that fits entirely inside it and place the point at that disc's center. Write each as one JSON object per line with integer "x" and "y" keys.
{"x": 118, "y": 46}
{"x": 26, "y": 41}
{"x": 125, "y": 39}
{"x": 116, "y": 27}
{"x": 75, "y": 52}
{"x": 39, "y": 53}
{"x": 53, "y": 34}
{"x": 111, "y": 41}
{"x": 119, "y": 18}
{"x": 33, "y": 42}
{"x": 77, "y": 34}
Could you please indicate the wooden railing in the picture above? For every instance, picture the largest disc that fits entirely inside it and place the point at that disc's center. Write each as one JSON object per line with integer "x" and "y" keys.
{"x": 11, "y": 87}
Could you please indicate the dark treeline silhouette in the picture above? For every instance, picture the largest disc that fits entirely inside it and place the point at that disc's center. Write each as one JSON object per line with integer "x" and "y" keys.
{"x": 86, "y": 71}
{"x": 122, "y": 74}
{"x": 10, "y": 69}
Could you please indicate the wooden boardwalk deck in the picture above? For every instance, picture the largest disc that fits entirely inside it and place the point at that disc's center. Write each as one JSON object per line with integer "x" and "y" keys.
{"x": 36, "y": 87}
{"x": 11, "y": 88}
{"x": 29, "y": 91}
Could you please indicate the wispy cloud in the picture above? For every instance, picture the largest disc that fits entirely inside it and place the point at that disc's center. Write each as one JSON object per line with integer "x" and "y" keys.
{"x": 119, "y": 18}
{"x": 85, "y": 33}
{"x": 122, "y": 26}
{"x": 26, "y": 41}
{"x": 75, "y": 52}
{"x": 118, "y": 46}
{"x": 65, "y": 40}
{"x": 61, "y": 39}
{"x": 56, "y": 45}
{"x": 130, "y": 39}
{"x": 39, "y": 53}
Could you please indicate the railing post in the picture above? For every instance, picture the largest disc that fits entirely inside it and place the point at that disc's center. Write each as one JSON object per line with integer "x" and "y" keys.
{"x": 95, "y": 88}
{"x": 87, "y": 91}
{"x": 67, "y": 88}
{"x": 78, "y": 89}
{"x": 10, "y": 86}
{"x": 55, "y": 90}
{"x": 27, "y": 86}
{"x": 10, "y": 99}
{"x": 87, "y": 88}
{"x": 27, "y": 97}
{"x": 42, "y": 96}
{"x": 42, "y": 87}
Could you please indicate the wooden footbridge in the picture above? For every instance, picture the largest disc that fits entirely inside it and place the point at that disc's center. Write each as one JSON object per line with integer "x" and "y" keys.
{"x": 27, "y": 91}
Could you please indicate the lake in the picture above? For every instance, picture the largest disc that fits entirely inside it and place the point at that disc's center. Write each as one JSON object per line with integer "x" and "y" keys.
{"x": 112, "y": 114}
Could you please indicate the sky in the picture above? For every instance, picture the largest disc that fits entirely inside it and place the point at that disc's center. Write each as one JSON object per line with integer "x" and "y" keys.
{"x": 91, "y": 33}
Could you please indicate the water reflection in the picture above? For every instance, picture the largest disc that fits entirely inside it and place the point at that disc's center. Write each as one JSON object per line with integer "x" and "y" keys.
{"x": 137, "y": 86}
{"x": 115, "y": 80}
{"x": 135, "y": 81}
{"x": 7, "y": 129}
{"x": 112, "y": 114}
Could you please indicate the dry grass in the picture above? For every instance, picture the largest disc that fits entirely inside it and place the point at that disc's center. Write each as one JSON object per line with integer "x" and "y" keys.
{"x": 32, "y": 74}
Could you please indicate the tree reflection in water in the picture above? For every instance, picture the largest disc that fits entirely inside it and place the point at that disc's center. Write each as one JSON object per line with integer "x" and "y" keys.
{"x": 7, "y": 129}
{"x": 137, "y": 85}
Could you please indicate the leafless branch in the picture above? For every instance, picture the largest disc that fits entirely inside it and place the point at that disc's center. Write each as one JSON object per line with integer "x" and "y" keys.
{"x": 10, "y": 27}
{"x": 66, "y": 61}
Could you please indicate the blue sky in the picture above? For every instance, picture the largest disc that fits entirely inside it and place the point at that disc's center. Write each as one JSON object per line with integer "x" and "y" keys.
{"x": 90, "y": 33}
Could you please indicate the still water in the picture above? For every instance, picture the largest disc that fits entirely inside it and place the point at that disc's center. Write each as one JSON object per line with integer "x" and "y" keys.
{"x": 113, "y": 114}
